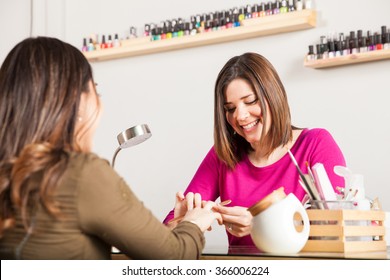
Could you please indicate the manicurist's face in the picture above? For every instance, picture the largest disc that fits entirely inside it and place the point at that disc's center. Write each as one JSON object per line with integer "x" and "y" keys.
{"x": 243, "y": 111}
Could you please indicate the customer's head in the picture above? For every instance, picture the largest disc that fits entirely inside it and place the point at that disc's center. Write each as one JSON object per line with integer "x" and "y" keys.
{"x": 48, "y": 107}
{"x": 250, "y": 101}
{"x": 41, "y": 83}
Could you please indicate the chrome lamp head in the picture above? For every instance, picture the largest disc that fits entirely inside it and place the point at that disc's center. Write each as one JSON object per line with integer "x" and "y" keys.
{"x": 131, "y": 137}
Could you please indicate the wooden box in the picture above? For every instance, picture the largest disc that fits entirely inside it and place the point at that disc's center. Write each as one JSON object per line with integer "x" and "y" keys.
{"x": 346, "y": 231}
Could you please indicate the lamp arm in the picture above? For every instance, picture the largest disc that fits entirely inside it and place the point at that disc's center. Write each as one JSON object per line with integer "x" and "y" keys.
{"x": 114, "y": 157}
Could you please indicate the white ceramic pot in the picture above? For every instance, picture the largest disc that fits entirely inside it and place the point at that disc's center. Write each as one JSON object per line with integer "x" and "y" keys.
{"x": 280, "y": 224}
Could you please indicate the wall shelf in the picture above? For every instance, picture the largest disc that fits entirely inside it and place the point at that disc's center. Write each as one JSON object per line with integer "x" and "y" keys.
{"x": 250, "y": 28}
{"x": 348, "y": 59}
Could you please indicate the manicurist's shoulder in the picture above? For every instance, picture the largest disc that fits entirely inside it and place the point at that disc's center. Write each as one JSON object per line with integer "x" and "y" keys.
{"x": 315, "y": 133}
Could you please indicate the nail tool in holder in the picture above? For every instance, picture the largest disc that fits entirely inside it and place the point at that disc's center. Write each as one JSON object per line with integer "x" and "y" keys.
{"x": 304, "y": 182}
{"x": 323, "y": 183}
{"x": 354, "y": 188}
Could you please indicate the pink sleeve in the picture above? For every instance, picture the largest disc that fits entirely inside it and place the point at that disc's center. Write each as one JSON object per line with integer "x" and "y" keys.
{"x": 329, "y": 154}
{"x": 205, "y": 180}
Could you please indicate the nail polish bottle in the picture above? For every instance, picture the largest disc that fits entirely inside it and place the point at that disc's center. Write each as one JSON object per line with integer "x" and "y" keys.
{"x": 291, "y": 7}
{"x": 346, "y": 50}
{"x": 276, "y": 9}
{"x": 85, "y": 47}
{"x": 360, "y": 37}
{"x": 355, "y": 46}
{"x": 352, "y": 40}
{"x": 133, "y": 32}
{"x": 97, "y": 44}
{"x": 168, "y": 29}
{"x": 310, "y": 55}
{"x": 193, "y": 30}
{"x": 372, "y": 44}
{"x": 229, "y": 23}
{"x": 222, "y": 14}
{"x": 332, "y": 51}
{"x": 147, "y": 30}
{"x": 197, "y": 21}
{"x": 186, "y": 30}
{"x": 323, "y": 47}
{"x": 248, "y": 12}
{"x": 255, "y": 11}
{"x": 339, "y": 49}
{"x": 192, "y": 19}
{"x": 363, "y": 48}
{"x": 156, "y": 34}
{"x": 299, "y": 5}
{"x": 91, "y": 47}
{"x": 216, "y": 24}
{"x": 386, "y": 45}
{"x": 262, "y": 10}
{"x": 222, "y": 23}
{"x": 383, "y": 33}
{"x": 207, "y": 27}
{"x": 175, "y": 31}
{"x": 180, "y": 27}
{"x": 269, "y": 9}
{"x": 318, "y": 52}
{"x": 116, "y": 43}
{"x": 236, "y": 11}
{"x": 378, "y": 41}
{"x": 109, "y": 42}
{"x": 236, "y": 22}
{"x": 103, "y": 44}
{"x": 164, "y": 30}
{"x": 284, "y": 8}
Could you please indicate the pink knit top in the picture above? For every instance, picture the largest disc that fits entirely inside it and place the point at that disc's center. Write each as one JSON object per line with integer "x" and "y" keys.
{"x": 247, "y": 184}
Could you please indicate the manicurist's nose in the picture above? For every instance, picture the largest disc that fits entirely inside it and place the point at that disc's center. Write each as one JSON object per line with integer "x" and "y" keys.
{"x": 241, "y": 113}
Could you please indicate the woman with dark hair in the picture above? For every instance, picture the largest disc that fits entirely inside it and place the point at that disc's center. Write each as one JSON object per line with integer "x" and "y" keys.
{"x": 58, "y": 199}
{"x": 252, "y": 135}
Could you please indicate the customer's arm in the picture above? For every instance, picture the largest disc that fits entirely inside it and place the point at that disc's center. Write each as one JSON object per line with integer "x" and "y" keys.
{"x": 111, "y": 211}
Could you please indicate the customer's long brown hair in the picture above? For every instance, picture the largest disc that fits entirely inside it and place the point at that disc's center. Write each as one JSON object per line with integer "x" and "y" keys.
{"x": 41, "y": 81}
{"x": 265, "y": 82}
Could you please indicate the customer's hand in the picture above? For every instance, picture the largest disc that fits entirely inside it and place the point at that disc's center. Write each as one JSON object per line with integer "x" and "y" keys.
{"x": 183, "y": 204}
{"x": 204, "y": 216}
{"x": 237, "y": 220}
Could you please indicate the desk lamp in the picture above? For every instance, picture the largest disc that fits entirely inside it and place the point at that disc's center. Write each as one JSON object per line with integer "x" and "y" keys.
{"x": 131, "y": 137}
{"x": 128, "y": 138}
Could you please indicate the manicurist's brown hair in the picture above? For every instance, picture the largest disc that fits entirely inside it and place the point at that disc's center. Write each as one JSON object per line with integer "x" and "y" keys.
{"x": 266, "y": 84}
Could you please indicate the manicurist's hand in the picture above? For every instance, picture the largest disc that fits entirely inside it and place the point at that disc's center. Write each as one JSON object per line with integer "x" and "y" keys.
{"x": 236, "y": 219}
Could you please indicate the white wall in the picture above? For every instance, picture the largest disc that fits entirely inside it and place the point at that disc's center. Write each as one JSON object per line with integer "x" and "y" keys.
{"x": 173, "y": 92}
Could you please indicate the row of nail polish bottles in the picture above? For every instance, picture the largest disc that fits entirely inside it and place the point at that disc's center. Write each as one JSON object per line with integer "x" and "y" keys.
{"x": 201, "y": 23}
{"x": 335, "y": 46}
{"x": 94, "y": 44}
{"x": 221, "y": 20}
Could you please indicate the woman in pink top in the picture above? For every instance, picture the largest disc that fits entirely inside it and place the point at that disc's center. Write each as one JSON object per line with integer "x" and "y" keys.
{"x": 252, "y": 132}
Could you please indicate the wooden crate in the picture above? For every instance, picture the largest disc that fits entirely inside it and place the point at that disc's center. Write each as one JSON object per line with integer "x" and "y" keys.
{"x": 346, "y": 231}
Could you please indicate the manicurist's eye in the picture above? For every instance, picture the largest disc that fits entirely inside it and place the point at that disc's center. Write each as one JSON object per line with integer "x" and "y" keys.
{"x": 229, "y": 109}
{"x": 251, "y": 102}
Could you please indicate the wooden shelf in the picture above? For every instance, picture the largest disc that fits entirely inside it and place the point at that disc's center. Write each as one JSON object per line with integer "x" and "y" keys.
{"x": 250, "y": 28}
{"x": 348, "y": 59}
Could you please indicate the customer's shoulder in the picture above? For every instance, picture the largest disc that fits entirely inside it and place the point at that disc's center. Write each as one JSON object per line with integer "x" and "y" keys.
{"x": 83, "y": 160}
